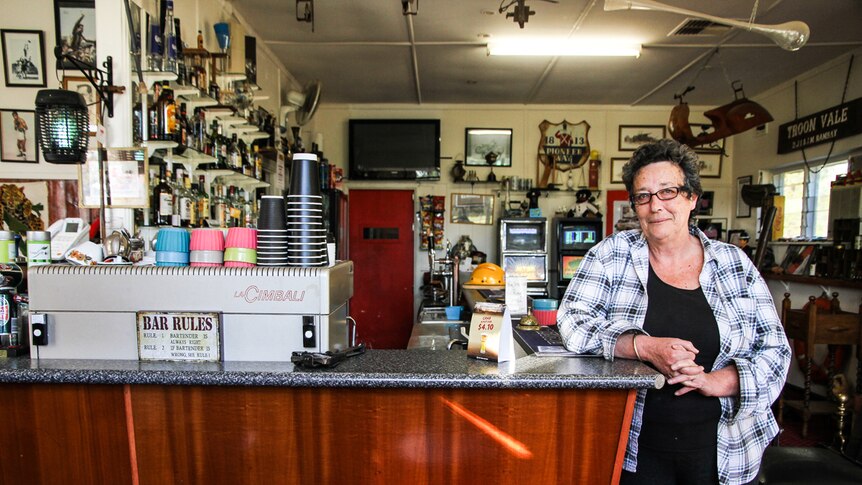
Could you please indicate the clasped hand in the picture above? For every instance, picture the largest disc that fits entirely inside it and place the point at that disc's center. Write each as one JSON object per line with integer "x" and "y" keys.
{"x": 674, "y": 358}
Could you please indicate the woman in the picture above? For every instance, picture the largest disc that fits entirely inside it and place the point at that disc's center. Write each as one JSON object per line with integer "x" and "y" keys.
{"x": 698, "y": 312}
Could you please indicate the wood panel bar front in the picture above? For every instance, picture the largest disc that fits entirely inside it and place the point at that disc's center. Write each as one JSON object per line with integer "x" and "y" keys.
{"x": 272, "y": 435}
{"x": 294, "y": 435}
{"x": 64, "y": 434}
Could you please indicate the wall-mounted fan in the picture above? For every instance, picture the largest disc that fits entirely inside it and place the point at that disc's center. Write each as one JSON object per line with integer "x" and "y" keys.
{"x": 304, "y": 103}
{"x": 789, "y": 35}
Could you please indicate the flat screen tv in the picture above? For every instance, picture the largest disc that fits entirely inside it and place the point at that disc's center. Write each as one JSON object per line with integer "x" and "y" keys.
{"x": 394, "y": 149}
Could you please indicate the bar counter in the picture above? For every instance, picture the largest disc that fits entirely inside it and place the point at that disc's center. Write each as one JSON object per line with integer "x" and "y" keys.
{"x": 388, "y": 416}
{"x": 419, "y": 368}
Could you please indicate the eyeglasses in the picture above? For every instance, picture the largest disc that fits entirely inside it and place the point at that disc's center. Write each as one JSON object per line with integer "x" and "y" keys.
{"x": 669, "y": 193}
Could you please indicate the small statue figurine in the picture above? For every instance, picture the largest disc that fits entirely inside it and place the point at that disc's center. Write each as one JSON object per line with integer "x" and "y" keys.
{"x": 584, "y": 206}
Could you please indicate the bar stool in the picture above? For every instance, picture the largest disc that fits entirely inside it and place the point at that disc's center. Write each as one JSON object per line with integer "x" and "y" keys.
{"x": 815, "y": 326}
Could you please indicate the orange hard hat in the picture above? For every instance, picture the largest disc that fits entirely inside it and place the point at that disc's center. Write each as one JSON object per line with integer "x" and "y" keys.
{"x": 487, "y": 274}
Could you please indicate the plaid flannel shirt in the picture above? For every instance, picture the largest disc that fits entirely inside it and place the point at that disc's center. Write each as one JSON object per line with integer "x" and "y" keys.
{"x": 607, "y": 297}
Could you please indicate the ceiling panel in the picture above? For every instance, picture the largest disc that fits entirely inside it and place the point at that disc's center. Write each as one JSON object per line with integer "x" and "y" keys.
{"x": 361, "y": 50}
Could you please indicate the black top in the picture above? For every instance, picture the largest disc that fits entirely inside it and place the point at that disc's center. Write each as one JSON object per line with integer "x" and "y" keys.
{"x": 690, "y": 421}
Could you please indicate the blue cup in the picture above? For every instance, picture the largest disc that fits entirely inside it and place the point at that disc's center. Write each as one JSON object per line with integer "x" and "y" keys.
{"x": 453, "y": 312}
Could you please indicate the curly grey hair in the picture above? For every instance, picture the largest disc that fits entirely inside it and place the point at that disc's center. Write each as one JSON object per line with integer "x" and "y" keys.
{"x": 666, "y": 150}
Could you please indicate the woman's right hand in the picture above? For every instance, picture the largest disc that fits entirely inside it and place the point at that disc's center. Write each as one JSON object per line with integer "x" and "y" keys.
{"x": 664, "y": 352}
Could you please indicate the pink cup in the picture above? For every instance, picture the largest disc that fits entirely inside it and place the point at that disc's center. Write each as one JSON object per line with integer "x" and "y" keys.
{"x": 207, "y": 240}
{"x": 241, "y": 237}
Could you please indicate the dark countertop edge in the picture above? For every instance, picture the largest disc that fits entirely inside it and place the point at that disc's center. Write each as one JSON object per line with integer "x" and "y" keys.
{"x": 325, "y": 379}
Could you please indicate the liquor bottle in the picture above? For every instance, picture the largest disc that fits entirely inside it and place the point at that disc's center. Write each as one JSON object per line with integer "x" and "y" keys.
{"x": 233, "y": 154}
{"x": 219, "y": 205}
{"x": 137, "y": 123}
{"x": 182, "y": 73}
{"x": 235, "y": 206}
{"x": 183, "y": 128}
{"x": 197, "y": 218}
{"x": 170, "y": 57}
{"x": 163, "y": 199}
{"x": 153, "y": 117}
{"x": 203, "y": 202}
{"x": 200, "y": 40}
{"x": 222, "y": 145}
{"x": 258, "y": 163}
{"x": 154, "y": 56}
{"x": 247, "y": 162}
{"x": 176, "y": 190}
{"x": 188, "y": 204}
{"x": 185, "y": 200}
{"x": 166, "y": 112}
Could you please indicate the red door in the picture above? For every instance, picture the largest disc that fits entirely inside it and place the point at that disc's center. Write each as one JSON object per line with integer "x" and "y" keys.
{"x": 381, "y": 247}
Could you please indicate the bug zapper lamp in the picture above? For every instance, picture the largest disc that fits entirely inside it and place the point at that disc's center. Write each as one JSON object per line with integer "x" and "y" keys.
{"x": 62, "y": 126}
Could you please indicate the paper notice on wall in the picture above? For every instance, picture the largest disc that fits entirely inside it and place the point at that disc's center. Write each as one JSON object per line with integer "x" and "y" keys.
{"x": 491, "y": 333}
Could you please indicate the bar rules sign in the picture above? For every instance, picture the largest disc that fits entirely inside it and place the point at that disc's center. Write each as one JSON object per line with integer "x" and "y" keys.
{"x": 824, "y": 126}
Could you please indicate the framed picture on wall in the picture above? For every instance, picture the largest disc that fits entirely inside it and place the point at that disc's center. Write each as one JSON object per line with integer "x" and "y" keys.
{"x": 18, "y": 136}
{"x": 75, "y": 30}
{"x": 742, "y": 209}
{"x": 633, "y": 136}
{"x": 617, "y": 169}
{"x": 472, "y": 209}
{"x": 479, "y": 142}
{"x": 81, "y": 85}
{"x": 710, "y": 165}
{"x": 705, "y": 203}
{"x": 23, "y": 58}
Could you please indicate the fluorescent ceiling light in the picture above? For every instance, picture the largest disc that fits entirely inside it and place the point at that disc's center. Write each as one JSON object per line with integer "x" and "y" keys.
{"x": 550, "y": 47}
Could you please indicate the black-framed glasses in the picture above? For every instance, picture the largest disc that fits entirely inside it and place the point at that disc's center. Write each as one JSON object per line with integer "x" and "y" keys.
{"x": 667, "y": 193}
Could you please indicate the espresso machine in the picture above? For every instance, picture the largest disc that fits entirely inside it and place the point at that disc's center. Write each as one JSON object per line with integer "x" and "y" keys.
{"x": 264, "y": 313}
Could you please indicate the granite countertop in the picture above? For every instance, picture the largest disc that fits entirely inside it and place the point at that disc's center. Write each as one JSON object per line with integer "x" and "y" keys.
{"x": 418, "y": 368}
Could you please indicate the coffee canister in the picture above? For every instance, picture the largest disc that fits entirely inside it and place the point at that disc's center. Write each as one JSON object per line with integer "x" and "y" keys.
{"x": 38, "y": 248}
{"x": 8, "y": 248}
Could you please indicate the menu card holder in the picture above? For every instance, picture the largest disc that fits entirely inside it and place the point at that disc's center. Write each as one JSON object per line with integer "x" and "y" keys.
{"x": 491, "y": 333}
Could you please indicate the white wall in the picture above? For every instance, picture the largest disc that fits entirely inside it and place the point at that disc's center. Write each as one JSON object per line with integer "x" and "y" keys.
{"x": 819, "y": 89}
{"x": 331, "y": 121}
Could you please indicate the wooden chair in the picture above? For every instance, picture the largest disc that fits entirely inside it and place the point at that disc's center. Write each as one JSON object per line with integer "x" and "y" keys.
{"x": 815, "y": 326}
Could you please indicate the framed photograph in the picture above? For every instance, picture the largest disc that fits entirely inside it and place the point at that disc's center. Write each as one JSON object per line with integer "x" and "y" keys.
{"x": 742, "y": 209}
{"x": 710, "y": 165}
{"x": 23, "y": 58}
{"x": 481, "y": 142}
{"x": 712, "y": 228}
{"x": 632, "y": 136}
{"x": 81, "y": 85}
{"x": 472, "y": 209}
{"x": 18, "y": 136}
{"x": 705, "y": 203}
{"x": 734, "y": 236}
{"x": 617, "y": 169}
{"x": 621, "y": 215}
{"x": 75, "y": 29}
{"x": 126, "y": 179}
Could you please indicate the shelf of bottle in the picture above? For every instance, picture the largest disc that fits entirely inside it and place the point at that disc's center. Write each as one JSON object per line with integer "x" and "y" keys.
{"x": 229, "y": 77}
{"x": 184, "y": 90}
{"x": 242, "y": 129}
{"x": 190, "y": 157}
{"x": 251, "y": 137}
{"x": 159, "y": 144}
{"x": 230, "y": 119}
{"x": 235, "y": 178}
{"x": 198, "y": 101}
{"x": 151, "y": 77}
